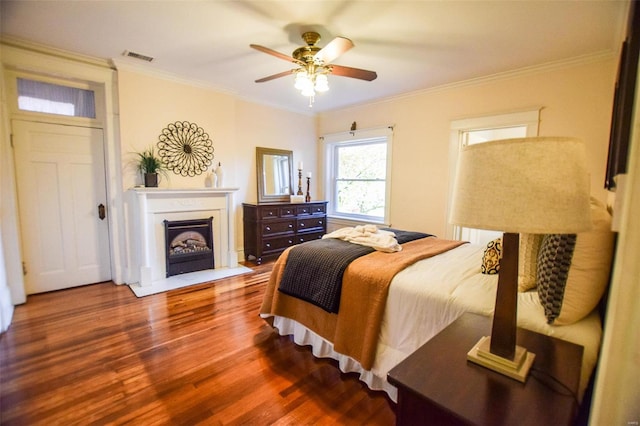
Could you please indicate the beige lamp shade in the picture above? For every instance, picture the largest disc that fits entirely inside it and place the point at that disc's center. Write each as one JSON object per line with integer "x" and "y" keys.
{"x": 537, "y": 185}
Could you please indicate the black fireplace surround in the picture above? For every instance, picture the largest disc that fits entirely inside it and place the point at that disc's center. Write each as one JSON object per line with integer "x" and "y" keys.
{"x": 188, "y": 245}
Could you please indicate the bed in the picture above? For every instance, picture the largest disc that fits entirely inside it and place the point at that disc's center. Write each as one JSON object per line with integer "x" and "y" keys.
{"x": 373, "y": 332}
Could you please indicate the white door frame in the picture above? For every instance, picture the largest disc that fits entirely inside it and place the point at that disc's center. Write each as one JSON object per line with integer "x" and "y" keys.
{"x": 36, "y": 59}
{"x": 529, "y": 117}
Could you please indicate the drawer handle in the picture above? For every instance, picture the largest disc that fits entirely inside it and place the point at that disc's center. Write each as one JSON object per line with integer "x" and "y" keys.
{"x": 270, "y": 213}
{"x": 320, "y": 222}
{"x": 268, "y": 228}
{"x": 268, "y": 245}
{"x": 302, "y": 224}
{"x": 290, "y": 226}
{"x": 290, "y": 241}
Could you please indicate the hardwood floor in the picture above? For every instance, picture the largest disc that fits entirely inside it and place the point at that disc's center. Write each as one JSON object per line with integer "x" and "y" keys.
{"x": 198, "y": 355}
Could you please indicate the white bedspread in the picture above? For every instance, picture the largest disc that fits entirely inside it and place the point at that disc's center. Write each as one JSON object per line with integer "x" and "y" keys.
{"x": 431, "y": 294}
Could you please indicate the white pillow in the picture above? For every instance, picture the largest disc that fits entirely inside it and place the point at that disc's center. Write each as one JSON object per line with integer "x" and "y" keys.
{"x": 528, "y": 260}
{"x": 586, "y": 277}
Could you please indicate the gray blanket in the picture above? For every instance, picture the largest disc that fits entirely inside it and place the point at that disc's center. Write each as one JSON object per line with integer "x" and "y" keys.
{"x": 314, "y": 269}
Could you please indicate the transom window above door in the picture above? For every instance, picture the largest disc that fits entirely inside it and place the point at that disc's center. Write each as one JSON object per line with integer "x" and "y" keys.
{"x": 49, "y": 98}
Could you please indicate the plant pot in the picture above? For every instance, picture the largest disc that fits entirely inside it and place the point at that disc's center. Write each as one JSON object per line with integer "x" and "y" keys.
{"x": 151, "y": 180}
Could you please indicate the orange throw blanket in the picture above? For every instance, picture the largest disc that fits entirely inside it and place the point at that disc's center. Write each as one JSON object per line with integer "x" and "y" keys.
{"x": 355, "y": 328}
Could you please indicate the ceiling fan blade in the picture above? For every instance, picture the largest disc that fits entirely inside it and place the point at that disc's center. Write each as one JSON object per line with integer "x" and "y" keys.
{"x": 331, "y": 51}
{"x": 353, "y": 72}
{"x": 274, "y": 76}
{"x": 272, "y": 52}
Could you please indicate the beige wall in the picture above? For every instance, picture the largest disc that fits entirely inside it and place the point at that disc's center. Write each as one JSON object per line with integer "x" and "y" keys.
{"x": 261, "y": 126}
{"x": 576, "y": 101}
{"x": 149, "y": 103}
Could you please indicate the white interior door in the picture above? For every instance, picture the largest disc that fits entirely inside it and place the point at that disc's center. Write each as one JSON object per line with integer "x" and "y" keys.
{"x": 61, "y": 184}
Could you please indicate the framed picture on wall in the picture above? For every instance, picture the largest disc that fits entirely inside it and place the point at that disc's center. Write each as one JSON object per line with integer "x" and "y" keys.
{"x": 623, "y": 101}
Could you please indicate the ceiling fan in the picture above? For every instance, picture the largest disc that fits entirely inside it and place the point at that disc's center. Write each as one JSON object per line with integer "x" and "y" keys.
{"x": 314, "y": 64}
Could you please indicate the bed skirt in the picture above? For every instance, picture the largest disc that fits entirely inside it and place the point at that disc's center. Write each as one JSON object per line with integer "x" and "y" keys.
{"x": 321, "y": 348}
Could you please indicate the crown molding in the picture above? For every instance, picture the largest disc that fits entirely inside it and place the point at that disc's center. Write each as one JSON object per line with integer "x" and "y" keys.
{"x": 32, "y": 46}
{"x": 133, "y": 65}
{"x": 520, "y": 72}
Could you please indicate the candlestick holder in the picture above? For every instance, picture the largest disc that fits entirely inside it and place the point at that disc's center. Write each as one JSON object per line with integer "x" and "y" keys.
{"x": 308, "y": 197}
{"x": 299, "y": 182}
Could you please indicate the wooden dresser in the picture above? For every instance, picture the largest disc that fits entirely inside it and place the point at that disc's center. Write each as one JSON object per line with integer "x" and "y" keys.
{"x": 270, "y": 228}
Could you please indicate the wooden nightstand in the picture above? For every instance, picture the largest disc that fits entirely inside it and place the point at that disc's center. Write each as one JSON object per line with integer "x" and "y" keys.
{"x": 438, "y": 386}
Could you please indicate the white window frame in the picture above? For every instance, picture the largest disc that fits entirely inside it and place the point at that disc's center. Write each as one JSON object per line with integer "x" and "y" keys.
{"x": 330, "y": 141}
{"x": 529, "y": 118}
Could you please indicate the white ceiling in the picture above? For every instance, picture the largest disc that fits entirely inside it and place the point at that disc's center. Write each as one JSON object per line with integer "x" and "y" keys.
{"x": 412, "y": 45}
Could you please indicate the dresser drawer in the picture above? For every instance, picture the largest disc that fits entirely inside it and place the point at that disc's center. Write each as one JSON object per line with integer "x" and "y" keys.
{"x": 303, "y": 210}
{"x": 309, "y": 209}
{"x": 269, "y": 212}
{"x": 278, "y": 244}
{"x": 312, "y": 223}
{"x": 318, "y": 208}
{"x": 310, "y": 236}
{"x": 278, "y": 227}
{"x": 287, "y": 211}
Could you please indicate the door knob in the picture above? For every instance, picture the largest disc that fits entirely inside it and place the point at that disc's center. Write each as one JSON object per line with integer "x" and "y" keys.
{"x": 101, "y": 211}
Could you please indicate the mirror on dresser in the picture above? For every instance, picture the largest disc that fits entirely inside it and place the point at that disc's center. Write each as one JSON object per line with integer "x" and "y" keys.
{"x": 275, "y": 174}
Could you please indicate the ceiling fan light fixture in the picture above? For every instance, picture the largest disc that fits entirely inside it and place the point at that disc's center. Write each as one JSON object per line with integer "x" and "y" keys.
{"x": 315, "y": 64}
{"x": 322, "y": 83}
{"x": 308, "y": 91}
{"x": 302, "y": 80}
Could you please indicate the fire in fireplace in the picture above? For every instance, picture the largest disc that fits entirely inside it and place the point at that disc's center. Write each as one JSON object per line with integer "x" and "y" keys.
{"x": 189, "y": 245}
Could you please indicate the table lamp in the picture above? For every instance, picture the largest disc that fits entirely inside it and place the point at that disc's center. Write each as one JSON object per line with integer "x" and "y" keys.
{"x": 537, "y": 185}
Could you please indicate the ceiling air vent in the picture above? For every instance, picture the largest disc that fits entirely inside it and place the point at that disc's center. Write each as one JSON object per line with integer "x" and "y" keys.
{"x": 137, "y": 56}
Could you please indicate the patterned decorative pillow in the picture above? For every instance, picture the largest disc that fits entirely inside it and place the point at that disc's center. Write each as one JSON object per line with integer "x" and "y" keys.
{"x": 554, "y": 261}
{"x": 570, "y": 285}
{"x": 491, "y": 257}
{"x": 528, "y": 260}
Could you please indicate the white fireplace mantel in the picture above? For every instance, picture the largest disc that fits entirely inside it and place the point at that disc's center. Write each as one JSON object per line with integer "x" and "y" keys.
{"x": 150, "y": 207}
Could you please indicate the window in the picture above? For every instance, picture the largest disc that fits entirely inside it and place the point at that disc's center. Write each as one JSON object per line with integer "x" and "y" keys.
{"x": 474, "y": 136}
{"x": 38, "y": 96}
{"x": 358, "y": 166}
{"x": 484, "y": 129}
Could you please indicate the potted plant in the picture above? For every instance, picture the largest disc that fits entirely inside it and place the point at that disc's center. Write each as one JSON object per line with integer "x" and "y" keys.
{"x": 149, "y": 166}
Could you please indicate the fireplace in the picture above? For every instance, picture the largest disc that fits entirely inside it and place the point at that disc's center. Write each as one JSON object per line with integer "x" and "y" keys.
{"x": 150, "y": 207}
{"x": 188, "y": 245}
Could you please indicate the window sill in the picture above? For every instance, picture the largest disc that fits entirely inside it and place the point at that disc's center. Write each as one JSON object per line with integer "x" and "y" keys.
{"x": 337, "y": 221}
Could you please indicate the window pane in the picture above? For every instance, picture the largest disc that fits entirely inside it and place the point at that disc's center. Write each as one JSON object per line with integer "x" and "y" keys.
{"x": 485, "y": 135}
{"x": 37, "y": 96}
{"x": 358, "y": 182}
{"x": 361, "y": 197}
{"x": 362, "y": 161}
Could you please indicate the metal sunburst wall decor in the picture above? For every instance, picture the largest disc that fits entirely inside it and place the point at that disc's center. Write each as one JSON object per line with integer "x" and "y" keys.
{"x": 185, "y": 148}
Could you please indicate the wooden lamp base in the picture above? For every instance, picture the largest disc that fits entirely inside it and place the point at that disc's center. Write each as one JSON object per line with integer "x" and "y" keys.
{"x": 500, "y": 352}
{"x": 516, "y": 368}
